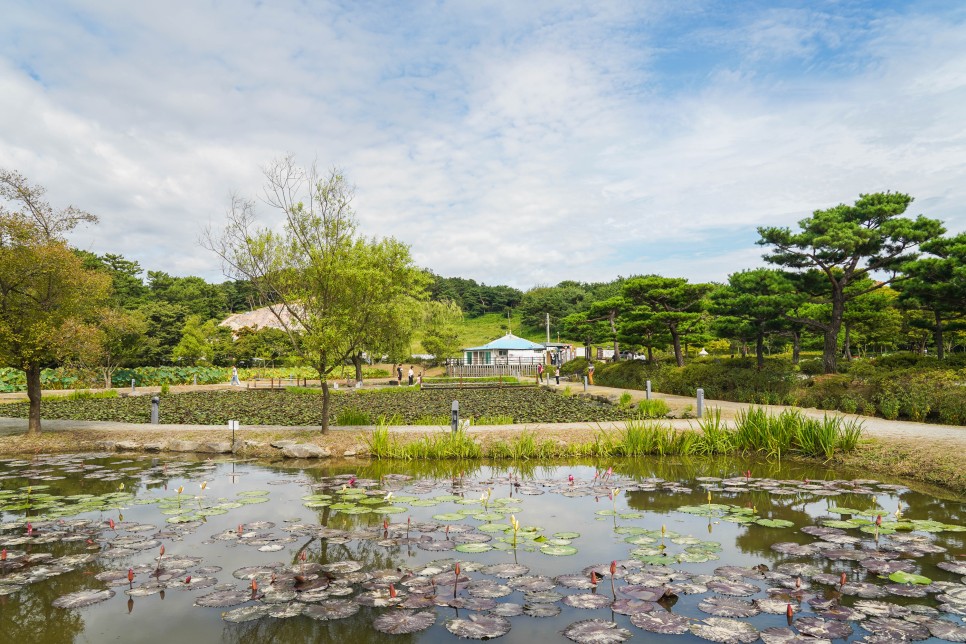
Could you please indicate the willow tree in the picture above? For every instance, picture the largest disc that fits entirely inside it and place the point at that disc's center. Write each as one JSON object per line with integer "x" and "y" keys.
{"x": 845, "y": 244}
{"x": 334, "y": 292}
{"x": 47, "y": 297}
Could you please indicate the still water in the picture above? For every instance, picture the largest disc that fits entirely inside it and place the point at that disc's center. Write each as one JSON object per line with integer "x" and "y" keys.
{"x": 257, "y": 551}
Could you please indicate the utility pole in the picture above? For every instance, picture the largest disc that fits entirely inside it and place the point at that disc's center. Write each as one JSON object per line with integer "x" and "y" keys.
{"x": 548, "y": 328}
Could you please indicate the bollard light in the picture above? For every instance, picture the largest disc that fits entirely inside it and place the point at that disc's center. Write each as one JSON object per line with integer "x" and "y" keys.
{"x": 155, "y": 402}
{"x": 455, "y": 420}
{"x": 647, "y": 394}
{"x": 700, "y": 403}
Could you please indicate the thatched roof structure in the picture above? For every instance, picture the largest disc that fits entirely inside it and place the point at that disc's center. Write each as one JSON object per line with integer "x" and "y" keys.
{"x": 262, "y": 318}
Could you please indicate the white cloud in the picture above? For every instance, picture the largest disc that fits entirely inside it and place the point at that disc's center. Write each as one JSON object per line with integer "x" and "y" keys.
{"x": 516, "y": 143}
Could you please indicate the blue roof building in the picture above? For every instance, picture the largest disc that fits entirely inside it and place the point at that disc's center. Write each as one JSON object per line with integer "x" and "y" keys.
{"x": 508, "y": 350}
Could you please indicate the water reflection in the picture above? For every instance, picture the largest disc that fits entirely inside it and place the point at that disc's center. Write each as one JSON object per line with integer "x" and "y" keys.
{"x": 77, "y": 497}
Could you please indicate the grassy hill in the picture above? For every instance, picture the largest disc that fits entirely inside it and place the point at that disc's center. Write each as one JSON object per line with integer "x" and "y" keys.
{"x": 480, "y": 330}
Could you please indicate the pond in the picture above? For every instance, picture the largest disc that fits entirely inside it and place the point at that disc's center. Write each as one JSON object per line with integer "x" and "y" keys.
{"x": 100, "y": 548}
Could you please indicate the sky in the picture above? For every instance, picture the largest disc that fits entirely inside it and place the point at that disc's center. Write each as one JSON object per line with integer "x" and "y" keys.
{"x": 519, "y": 143}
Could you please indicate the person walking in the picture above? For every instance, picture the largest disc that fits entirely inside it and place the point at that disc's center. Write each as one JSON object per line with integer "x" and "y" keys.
{"x": 411, "y": 374}
{"x": 540, "y": 373}
{"x": 590, "y": 373}
{"x": 399, "y": 374}
{"x": 234, "y": 377}
{"x": 556, "y": 374}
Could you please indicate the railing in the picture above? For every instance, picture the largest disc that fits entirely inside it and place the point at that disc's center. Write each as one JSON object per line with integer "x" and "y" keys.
{"x": 275, "y": 383}
{"x": 457, "y": 369}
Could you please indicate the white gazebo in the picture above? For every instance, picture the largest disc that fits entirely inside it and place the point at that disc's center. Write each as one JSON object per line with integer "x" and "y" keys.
{"x": 504, "y": 355}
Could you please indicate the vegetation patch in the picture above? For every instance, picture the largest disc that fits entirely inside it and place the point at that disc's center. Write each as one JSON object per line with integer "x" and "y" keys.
{"x": 390, "y": 406}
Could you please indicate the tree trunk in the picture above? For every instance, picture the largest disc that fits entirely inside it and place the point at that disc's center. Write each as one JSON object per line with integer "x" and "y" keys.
{"x": 326, "y": 397}
{"x": 938, "y": 335}
{"x": 760, "y": 349}
{"x": 650, "y": 354}
{"x": 676, "y": 339}
{"x": 796, "y": 346}
{"x": 830, "y": 351}
{"x": 613, "y": 329}
{"x": 587, "y": 350}
{"x": 847, "y": 345}
{"x": 357, "y": 361}
{"x": 33, "y": 394}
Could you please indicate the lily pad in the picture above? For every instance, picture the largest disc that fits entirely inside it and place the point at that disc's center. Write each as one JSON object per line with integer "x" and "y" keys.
{"x": 82, "y": 598}
{"x": 661, "y": 622}
{"x": 479, "y": 627}
{"x": 901, "y": 577}
{"x": 401, "y": 622}
{"x": 596, "y": 631}
{"x": 727, "y": 631}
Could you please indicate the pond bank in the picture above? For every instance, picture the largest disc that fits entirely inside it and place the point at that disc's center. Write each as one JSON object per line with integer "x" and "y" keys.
{"x": 935, "y": 461}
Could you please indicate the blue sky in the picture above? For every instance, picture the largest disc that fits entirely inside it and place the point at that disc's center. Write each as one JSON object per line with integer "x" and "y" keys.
{"x": 511, "y": 142}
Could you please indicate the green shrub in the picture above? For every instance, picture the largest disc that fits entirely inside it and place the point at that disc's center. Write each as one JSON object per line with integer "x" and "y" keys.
{"x": 165, "y": 389}
{"x": 574, "y": 367}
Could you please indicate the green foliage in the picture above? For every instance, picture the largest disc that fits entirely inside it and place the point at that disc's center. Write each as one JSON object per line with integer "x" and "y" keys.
{"x": 841, "y": 246}
{"x": 473, "y": 298}
{"x": 445, "y": 445}
{"x": 394, "y": 406}
{"x": 165, "y": 389}
{"x": 577, "y": 366}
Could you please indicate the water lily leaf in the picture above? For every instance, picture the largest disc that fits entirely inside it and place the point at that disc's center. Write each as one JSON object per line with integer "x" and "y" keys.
{"x": 781, "y": 635}
{"x": 596, "y": 631}
{"x": 82, "y": 598}
{"x": 506, "y": 570}
{"x": 728, "y": 607}
{"x": 827, "y": 629}
{"x": 558, "y": 551}
{"x": 223, "y": 598}
{"x": 661, "y": 622}
{"x": 404, "y": 621}
{"x": 727, "y": 631}
{"x": 474, "y": 547}
{"x": 902, "y": 577}
{"x": 946, "y": 630}
{"x": 247, "y": 613}
{"x": 479, "y": 627}
{"x": 587, "y": 600}
{"x": 775, "y": 523}
{"x": 331, "y": 609}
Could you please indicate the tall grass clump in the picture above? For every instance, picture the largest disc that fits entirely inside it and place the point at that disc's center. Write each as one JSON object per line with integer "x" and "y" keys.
{"x": 758, "y": 431}
{"x": 350, "y": 416}
{"x": 640, "y": 439}
{"x": 86, "y": 394}
{"x": 497, "y": 419}
{"x": 715, "y": 437}
{"x": 429, "y": 419}
{"x": 450, "y": 445}
{"x": 380, "y": 444}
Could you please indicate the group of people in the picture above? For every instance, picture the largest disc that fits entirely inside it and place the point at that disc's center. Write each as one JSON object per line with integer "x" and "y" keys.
{"x": 413, "y": 378}
{"x": 541, "y": 370}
